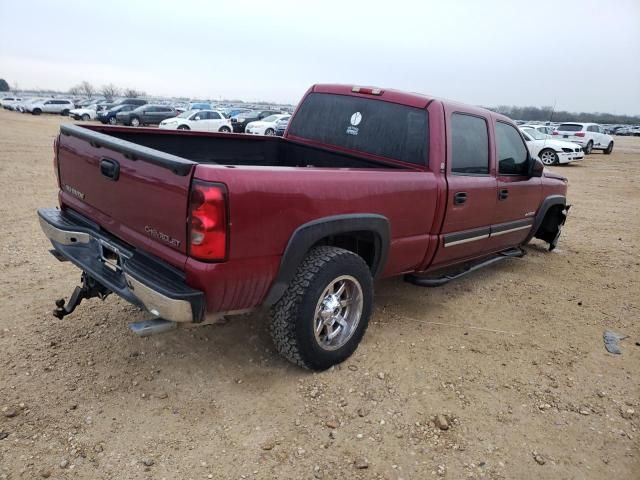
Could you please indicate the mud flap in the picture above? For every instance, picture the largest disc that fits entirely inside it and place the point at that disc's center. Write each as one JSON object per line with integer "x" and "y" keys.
{"x": 551, "y": 227}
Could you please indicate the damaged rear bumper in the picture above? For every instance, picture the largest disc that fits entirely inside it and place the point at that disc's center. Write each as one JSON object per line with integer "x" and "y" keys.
{"x": 135, "y": 276}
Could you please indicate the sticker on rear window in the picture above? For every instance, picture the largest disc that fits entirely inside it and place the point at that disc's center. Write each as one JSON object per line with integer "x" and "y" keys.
{"x": 356, "y": 118}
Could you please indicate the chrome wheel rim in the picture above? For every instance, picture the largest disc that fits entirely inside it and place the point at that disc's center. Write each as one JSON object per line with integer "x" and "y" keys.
{"x": 338, "y": 312}
{"x": 113, "y": 121}
{"x": 548, "y": 157}
{"x": 269, "y": 132}
{"x": 135, "y": 122}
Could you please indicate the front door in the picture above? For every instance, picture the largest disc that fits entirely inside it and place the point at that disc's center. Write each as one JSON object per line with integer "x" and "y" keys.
{"x": 471, "y": 194}
{"x": 518, "y": 194}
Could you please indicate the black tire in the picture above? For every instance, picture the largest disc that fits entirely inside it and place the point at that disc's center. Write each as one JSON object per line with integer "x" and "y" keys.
{"x": 609, "y": 149}
{"x": 293, "y": 317}
{"x": 183, "y": 127}
{"x": 85, "y": 117}
{"x": 589, "y": 148}
{"x": 36, "y": 111}
{"x": 64, "y": 113}
{"x": 548, "y": 156}
{"x": 270, "y": 132}
{"x": 135, "y": 122}
{"x": 113, "y": 121}
{"x": 225, "y": 130}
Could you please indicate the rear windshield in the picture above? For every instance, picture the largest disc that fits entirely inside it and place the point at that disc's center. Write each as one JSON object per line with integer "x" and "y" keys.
{"x": 373, "y": 126}
{"x": 570, "y": 127}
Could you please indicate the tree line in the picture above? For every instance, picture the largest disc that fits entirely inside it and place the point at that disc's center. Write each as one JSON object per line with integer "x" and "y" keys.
{"x": 108, "y": 91}
{"x": 547, "y": 114}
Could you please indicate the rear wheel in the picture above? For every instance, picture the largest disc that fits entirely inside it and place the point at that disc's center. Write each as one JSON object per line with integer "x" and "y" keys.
{"x": 549, "y": 157}
{"x": 113, "y": 121}
{"x": 135, "y": 122}
{"x": 65, "y": 112}
{"x": 86, "y": 117}
{"x": 322, "y": 316}
{"x": 36, "y": 111}
{"x": 609, "y": 149}
{"x": 589, "y": 148}
{"x": 270, "y": 132}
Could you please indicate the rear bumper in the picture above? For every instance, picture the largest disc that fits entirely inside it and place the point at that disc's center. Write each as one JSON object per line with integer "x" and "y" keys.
{"x": 135, "y": 276}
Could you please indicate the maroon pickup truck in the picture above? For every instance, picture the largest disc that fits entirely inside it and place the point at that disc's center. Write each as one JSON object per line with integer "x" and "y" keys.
{"x": 366, "y": 183}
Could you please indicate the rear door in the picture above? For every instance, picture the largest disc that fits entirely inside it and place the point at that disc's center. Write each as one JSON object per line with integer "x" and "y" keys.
{"x": 141, "y": 202}
{"x": 471, "y": 194}
{"x": 518, "y": 194}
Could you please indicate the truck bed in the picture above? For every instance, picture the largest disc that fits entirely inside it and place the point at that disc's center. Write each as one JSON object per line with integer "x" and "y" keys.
{"x": 234, "y": 150}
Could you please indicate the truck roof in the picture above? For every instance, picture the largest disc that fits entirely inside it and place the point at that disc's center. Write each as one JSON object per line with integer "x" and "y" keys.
{"x": 411, "y": 99}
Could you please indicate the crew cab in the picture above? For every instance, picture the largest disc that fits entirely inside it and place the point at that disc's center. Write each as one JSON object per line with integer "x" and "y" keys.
{"x": 590, "y": 136}
{"x": 365, "y": 184}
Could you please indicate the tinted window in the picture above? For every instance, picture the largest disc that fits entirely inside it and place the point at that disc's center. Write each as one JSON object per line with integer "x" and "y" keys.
{"x": 570, "y": 127}
{"x": 368, "y": 125}
{"x": 469, "y": 144}
{"x": 214, "y": 115}
{"x": 512, "y": 152}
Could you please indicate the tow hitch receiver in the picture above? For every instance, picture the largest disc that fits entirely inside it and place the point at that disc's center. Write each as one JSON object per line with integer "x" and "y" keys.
{"x": 89, "y": 288}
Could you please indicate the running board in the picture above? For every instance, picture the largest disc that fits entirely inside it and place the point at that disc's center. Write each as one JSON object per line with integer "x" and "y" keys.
{"x": 146, "y": 328}
{"x": 427, "y": 281}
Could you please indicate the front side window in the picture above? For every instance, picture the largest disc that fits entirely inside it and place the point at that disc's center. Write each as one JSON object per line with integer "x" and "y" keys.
{"x": 512, "y": 152}
{"x": 469, "y": 145}
{"x": 369, "y": 125}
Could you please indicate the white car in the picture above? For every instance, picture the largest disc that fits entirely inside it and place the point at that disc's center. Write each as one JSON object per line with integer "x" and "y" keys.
{"x": 86, "y": 113}
{"x": 540, "y": 128}
{"x": 52, "y": 105}
{"x": 549, "y": 150}
{"x": 266, "y": 126}
{"x": 9, "y": 102}
{"x": 22, "y": 106}
{"x": 590, "y": 136}
{"x": 198, "y": 120}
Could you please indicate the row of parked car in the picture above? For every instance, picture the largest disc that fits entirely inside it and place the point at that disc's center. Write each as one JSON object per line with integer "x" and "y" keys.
{"x": 135, "y": 112}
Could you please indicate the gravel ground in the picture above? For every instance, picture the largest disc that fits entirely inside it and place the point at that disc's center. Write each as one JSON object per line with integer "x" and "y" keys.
{"x": 499, "y": 375}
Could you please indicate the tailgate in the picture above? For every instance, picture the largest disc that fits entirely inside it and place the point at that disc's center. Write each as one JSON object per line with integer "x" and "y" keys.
{"x": 136, "y": 193}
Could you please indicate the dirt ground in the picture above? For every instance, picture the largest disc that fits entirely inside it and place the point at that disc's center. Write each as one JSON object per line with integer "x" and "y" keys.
{"x": 511, "y": 357}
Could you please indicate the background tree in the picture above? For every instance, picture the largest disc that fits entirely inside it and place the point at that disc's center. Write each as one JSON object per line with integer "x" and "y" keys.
{"x": 4, "y": 86}
{"x": 109, "y": 91}
{"x": 132, "y": 93}
{"x": 75, "y": 90}
{"x": 87, "y": 89}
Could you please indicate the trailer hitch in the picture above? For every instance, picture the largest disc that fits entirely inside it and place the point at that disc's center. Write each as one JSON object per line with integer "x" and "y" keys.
{"x": 89, "y": 288}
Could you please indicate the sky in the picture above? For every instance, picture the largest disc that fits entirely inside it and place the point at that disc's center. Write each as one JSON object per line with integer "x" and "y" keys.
{"x": 579, "y": 55}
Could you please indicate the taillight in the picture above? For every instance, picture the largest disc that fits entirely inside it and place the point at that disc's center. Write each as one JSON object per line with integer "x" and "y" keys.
{"x": 555, "y": 133}
{"x": 55, "y": 159}
{"x": 579, "y": 134}
{"x": 208, "y": 221}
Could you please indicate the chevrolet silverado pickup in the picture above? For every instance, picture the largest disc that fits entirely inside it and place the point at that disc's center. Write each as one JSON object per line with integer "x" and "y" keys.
{"x": 366, "y": 183}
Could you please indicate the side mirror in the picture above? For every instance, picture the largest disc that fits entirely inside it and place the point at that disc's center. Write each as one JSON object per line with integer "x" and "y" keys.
{"x": 536, "y": 167}
{"x": 196, "y": 118}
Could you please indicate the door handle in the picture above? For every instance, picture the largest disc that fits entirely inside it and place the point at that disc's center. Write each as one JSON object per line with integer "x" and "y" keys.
{"x": 110, "y": 169}
{"x": 503, "y": 194}
{"x": 459, "y": 198}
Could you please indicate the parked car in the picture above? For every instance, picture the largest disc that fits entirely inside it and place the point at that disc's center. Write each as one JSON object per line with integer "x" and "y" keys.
{"x": 9, "y": 102}
{"x": 130, "y": 101}
{"x": 281, "y": 126}
{"x": 241, "y": 120}
{"x": 52, "y": 105}
{"x": 199, "y": 120}
{"x": 23, "y": 105}
{"x": 85, "y": 113}
{"x": 199, "y": 106}
{"x": 146, "y": 115}
{"x": 108, "y": 115}
{"x": 365, "y": 184}
{"x": 232, "y": 111}
{"x": 266, "y": 126}
{"x": 545, "y": 129}
{"x": 590, "y": 136}
{"x": 550, "y": 151}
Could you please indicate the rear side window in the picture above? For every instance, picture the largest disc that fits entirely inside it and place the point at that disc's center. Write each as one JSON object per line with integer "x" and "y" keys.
{"x": 570, "y": 127}
{"x": 376, "y": 127}
{"x": 512, "y": 152}
{"x": 469, "y": 145}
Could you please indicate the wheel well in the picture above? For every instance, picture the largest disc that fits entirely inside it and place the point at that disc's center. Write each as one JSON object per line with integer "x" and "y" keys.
{"x": 362, "y": 243}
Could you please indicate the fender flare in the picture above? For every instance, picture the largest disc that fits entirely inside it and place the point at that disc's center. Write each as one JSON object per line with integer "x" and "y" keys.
{"x": 547, "y": 203}
{"x": 308, "y": 234}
